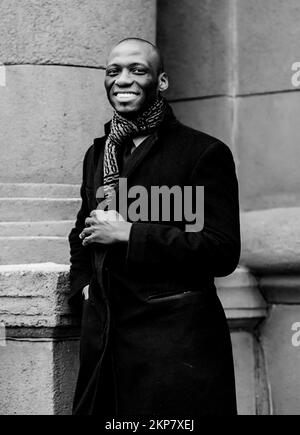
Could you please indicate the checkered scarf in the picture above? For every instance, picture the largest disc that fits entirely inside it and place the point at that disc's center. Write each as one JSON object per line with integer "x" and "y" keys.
{"x": 121, "y": 129}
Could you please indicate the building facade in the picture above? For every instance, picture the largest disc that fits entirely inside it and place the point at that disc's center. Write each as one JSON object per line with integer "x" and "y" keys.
{"x": 233, "y": 68}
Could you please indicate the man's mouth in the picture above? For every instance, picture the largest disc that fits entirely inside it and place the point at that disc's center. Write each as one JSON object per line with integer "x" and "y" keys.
{"x": 125, "y": 95}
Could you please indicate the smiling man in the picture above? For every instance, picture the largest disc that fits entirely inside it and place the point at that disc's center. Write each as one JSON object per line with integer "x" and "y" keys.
{"x": 154, "y": 337}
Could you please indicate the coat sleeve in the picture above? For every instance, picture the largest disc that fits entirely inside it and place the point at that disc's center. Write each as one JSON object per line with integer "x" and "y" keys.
{"x": 81, "y": 258}
{"x": 215, "y": 249}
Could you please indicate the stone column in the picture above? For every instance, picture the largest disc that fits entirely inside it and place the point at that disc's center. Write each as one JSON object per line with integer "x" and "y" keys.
{"x": 52, "y": 106}
{"x": 38, "y": 341}
{"x": 197, "y": 42}
{"x": 230, "y": 64}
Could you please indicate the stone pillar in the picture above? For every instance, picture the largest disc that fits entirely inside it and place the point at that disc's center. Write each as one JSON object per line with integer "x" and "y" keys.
{"x": 39, "y": 341}
{"x": 273, "y": 253}
{"x": 52, "y": 106}
{"x": 245, "y": 309}
{"x": 197, "y": 44}
{"x": 230, "y": 65}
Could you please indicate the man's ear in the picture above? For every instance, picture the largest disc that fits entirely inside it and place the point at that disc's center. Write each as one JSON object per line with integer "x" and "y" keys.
{"x": 163, "y": 82}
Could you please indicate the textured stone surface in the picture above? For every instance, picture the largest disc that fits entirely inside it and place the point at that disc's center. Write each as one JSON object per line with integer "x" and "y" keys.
{"x": 271, "y": 240}
{"x": 34, "y": 295}
{"x": 35, "y": 190}
{"x": 70, "y": 32}
{"x": 38, "y": 376}
{"x": 36, "y": 229}
{"x": 283, "y": 359}
{"x": 38, "y": 209}
{"x": 26, "y": 378}
{"x": 268, "y": 150}
{"x": 49, "y": 116}
{"x": 241, "y": 298}
{"x": 66, "y": 364}
{"x": 244, "y": 366}
{"x": 213, "y": 116}
{"x": 32, "y": 249}
{"x": 268, "y": 35}
{"x": 195, "y": 41}
{"x": 284, "y": 289}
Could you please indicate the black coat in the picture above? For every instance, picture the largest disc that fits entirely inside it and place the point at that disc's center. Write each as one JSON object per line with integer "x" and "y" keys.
{"x": 154, "y": 338}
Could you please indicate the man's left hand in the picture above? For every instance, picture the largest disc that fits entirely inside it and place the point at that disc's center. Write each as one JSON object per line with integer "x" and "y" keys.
{"x": 105, "y": 227}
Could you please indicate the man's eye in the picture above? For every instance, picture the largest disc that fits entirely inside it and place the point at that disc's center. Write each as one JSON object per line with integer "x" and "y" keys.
{"x": 138, "y": 71}
{"x": 111, "y": 72}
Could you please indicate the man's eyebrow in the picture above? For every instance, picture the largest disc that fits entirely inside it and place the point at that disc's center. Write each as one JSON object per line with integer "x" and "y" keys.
{"x": 116, "y": 65}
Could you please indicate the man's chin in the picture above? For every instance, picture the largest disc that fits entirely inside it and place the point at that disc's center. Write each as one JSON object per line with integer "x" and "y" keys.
{"x": 127, "y": 111}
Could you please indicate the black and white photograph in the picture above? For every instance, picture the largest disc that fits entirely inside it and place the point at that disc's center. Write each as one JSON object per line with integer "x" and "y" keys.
{"x": 149, "y": 210}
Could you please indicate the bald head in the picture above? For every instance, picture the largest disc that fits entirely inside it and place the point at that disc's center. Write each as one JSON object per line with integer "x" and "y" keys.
{"x": 153, "y": 51}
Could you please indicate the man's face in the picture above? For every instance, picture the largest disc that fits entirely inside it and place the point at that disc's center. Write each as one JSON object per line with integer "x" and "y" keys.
{"x": 132, "y": 79}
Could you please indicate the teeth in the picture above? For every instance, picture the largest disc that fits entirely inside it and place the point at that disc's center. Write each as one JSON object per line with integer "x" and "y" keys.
{"x": 125, "y": 93}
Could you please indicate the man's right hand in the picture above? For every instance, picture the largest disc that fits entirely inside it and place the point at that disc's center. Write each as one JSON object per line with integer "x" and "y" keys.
{"x": 85, "y": 292}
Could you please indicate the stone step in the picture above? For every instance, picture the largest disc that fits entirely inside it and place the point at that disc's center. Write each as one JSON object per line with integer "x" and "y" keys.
{"x": 36, "y": 229}
{"x": 35, "y": 190}
{"x": 38, "y": 209}
{"x": 22, "y": 250}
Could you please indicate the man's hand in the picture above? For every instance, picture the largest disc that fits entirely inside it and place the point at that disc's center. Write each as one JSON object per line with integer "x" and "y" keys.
{"x": 105, "y": 227}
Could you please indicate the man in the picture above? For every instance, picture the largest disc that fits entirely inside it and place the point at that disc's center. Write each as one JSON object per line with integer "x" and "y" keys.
{"x": 154, "y": 339}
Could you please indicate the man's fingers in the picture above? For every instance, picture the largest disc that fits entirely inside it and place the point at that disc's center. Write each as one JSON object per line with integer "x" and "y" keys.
{"x": 90, "y": 221}
{"x": 109, "y": 215}
{"x": 86, "y": 232}
{"x": 88, "y": 240}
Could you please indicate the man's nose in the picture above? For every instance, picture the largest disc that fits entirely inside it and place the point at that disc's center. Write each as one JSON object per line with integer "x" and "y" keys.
{"x": 124, "y": 78}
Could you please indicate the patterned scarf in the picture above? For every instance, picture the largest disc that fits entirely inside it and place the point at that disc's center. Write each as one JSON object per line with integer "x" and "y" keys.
{"x": 121, "y": 129}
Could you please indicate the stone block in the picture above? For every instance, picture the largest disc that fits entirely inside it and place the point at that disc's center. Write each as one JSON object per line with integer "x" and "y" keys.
{"x": 46, "y": 128}
{"x": 244, "y": 366}
{"x": 38, "y": 209}
{"x": 36, "y": 229}
{"x": 195, "y": 41}
{"x": 267, "y": 138}
{"x": 283, "y": 358}
{"x": 268, "y": 37}
{"x": 34, "y": 249}
{"x": 271, "y": 241}
{"x": 72, "y": 32}
{"x": 34, "y": 295}
{"x": 26, "y": 383}
{"x": 242, "y": 301}
{"x": 35, "y": 190}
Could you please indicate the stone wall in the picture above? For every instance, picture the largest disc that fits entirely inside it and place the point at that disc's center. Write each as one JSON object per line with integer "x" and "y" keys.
{"x": 235, "y": 83}
{"x": 53, "y": 104}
